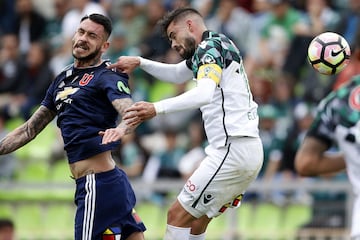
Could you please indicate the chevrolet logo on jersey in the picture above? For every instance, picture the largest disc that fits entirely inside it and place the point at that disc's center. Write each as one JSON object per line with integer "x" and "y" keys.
{"x": 64, "y": 94}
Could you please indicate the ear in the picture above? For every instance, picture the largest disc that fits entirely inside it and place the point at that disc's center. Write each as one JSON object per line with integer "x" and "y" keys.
{"x": 189, "y": 24}
{"x": 105, "y": 46}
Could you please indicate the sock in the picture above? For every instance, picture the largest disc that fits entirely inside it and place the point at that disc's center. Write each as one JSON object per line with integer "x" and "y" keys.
{"x": 197, "y": 237}
{"x": 176, "y": 233}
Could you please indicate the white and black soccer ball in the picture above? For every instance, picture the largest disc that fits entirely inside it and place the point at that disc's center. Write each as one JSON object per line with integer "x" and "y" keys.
{"x": 329, "y": 53}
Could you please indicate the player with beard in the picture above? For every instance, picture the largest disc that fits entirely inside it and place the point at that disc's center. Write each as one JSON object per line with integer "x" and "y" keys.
{"x": 87, "y": 98}
{"x": 234, "y": 154}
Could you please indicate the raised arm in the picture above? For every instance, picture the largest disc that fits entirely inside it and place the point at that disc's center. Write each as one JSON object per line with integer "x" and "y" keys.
{"x": 27, "y": 131}
{"x": 175, "y": 73}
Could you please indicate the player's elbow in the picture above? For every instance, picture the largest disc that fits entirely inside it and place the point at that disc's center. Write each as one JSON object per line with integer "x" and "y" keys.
{"x": 303, "y": 165}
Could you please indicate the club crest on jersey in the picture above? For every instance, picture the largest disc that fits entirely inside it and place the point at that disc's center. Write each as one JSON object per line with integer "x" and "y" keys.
{"x": 86, "y": 79}
{"x": 206, "y": 59}
{"x": 203, "y": 44}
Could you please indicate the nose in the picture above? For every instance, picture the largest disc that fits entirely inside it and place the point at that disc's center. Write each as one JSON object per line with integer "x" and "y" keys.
{"x": 83, "y": 37}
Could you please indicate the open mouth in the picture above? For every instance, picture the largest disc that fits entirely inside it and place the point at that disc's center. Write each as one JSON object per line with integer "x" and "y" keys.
{"x": 81, "y": 46}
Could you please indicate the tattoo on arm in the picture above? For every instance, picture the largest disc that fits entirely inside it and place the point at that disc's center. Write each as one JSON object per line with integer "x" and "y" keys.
{"x": 120, "y": 105}
{"x": 27, "y": 131}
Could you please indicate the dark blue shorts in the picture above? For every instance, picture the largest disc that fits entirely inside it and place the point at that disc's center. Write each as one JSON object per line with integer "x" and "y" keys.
{"x": 105, "y": 207}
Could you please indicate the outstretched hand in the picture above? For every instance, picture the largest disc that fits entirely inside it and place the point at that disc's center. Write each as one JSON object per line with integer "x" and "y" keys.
{"x": 111, "y": 135}
{"x": 126, "y": 64}
{"x": 138, "y": 113}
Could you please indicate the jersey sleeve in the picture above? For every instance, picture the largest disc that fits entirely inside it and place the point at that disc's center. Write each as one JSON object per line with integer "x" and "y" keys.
{"x": 116, "y": 85}
{"x": 323, "y": 126}
{"x": 209, "y": 61}
{"x": 49, "y": 100}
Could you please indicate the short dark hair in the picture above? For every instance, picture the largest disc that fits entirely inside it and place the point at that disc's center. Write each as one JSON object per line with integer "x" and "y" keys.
{"x": 4, "y": 222}
{"x": 174, "y": 16}
{"x": 100, "y": 19}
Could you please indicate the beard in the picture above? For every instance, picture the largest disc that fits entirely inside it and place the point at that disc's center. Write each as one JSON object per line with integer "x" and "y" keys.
{"x": 89, "y": 57}
{"x": 189, "y": 48}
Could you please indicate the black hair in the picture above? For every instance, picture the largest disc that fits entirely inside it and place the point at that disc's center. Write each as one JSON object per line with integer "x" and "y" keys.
{"x": 174, "y": 16}
{"x": 4, "y": 222}
{"x": 100, "y": 19}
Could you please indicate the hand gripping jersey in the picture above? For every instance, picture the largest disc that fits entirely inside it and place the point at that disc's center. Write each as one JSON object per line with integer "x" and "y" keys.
{"x": 82, "y": 100}
{"x": 232, "y": 111}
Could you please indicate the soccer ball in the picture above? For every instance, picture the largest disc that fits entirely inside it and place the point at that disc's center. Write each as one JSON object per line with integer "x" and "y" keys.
{"x": 329, "y": 53}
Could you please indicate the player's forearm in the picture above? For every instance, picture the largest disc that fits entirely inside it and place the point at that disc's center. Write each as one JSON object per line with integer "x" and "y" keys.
{"x": 175, "y": 73}
{"x": 27, "y": 131}
{"x": 194, "y": 98}
{"x": 121, "y": 105}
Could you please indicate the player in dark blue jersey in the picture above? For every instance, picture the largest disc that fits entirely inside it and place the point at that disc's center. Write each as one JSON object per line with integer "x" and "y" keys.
{"x": 87, "y": 99}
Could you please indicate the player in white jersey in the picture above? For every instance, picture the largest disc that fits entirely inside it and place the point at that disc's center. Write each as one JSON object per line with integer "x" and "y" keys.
{"x": 337, "y": 123}
{"x": 234, "y": 154}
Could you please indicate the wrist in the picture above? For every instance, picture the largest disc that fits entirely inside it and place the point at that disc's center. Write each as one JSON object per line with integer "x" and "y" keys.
{"x": 159, "y": 109}
{"x": 143, "y": 62}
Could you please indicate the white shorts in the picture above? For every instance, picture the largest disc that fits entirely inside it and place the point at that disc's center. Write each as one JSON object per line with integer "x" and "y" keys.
{"x": 222, "y": 177}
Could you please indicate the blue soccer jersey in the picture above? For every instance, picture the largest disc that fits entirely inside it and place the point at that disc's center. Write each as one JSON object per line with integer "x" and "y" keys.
{"x": 82, "y": 100}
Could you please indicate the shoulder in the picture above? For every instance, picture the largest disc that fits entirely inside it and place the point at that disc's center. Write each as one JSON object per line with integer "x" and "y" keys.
{"x": 114, "y": 73}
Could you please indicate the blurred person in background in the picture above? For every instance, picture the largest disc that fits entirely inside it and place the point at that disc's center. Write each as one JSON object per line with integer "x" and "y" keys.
{"x": 349, "y": 22}
{"x": 275, "y": 37}
{"x": 195, "y": 150}
{"x": 8, "y": 162}
{"x": 7, "y": 12}
{"x": 153, "y": 44}
{"x": 233, "y": 21}
{"x": 302, "y": 116}
{"x": 272, "y": 144}
{"x": 33, "y": 82}
{"x": 54, "y": 37}
{"x": 284, "y": 100}
{"x": 131, "y": 156}
{"x": 132, "y": 20}
{"x": 78, "y": 9}
{"x": 11, "y": 66}
{"x": 318, "y": 17}
{"x": 173, "y": 4}
{"x": 29, "y": 25}
{"x": 119, "y": 45}
{"x": 164, "y": 163}
{"x": 336, "y": 124}
{"x": 205, "y": 7}
{"x": 7, "y": 229}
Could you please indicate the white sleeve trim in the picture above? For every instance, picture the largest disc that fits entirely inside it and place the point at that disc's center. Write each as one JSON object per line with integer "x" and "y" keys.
{"x": 196, "y": 97}
{"x": 175, "y": 73}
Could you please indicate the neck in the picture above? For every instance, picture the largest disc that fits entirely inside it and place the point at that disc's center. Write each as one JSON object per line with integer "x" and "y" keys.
{"x": 78, "y": 63}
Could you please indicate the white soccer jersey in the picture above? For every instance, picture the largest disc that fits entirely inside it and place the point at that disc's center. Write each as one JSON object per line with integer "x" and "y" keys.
{"x": 232, "y": 111}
